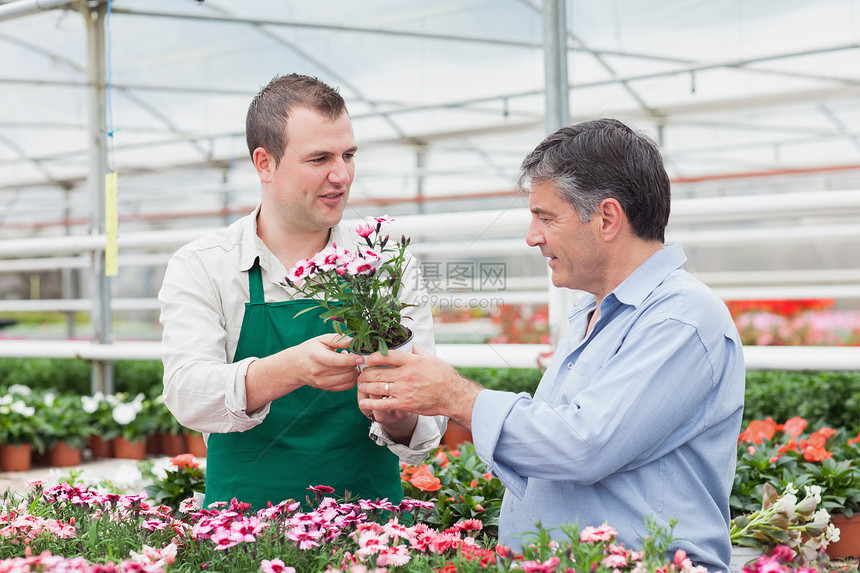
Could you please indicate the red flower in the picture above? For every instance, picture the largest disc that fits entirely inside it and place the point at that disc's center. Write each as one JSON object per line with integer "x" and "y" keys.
{"x": 791, "y": 445}
{"x": 424, "y": 479}
{"x": 759, "y": 430}
{"x": 794, "y": 427}
{"x": 185, "y": 461}
{"x": 814, "y": 448}
{"x": 816, "y": 454}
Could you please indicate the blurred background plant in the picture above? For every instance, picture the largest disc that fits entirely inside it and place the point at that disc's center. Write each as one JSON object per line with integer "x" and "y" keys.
{"x": 810, "y": 322}
{"x": 18, "y": 423}
{"x": 64, "y": 420}
{"x": 163, "y": 419}
{"x": 134, "y": 415}
{"x": 98, "y": 410}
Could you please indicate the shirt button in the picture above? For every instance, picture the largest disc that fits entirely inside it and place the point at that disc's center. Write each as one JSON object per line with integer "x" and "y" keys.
{"x": 570, "y": 365}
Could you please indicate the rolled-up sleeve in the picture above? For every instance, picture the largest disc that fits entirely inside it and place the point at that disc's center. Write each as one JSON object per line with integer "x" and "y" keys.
{"x": 202, "y": 388}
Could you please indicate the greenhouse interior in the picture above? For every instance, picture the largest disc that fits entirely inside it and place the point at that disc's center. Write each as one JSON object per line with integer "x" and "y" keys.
{"x": 122, "y": 138}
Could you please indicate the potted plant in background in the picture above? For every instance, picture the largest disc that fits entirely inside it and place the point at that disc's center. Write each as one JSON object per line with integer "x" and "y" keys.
{"x": 359, "y": 289}
{"x": 169, "y": 432}
{"x": 847, "y": 518}
{"x": 136, "y": 422}
{"x": 66, "y": 432}
{"x": 20, "y": 430}
{"x": 195, "y": 442}
{"x": 98, "y": 410}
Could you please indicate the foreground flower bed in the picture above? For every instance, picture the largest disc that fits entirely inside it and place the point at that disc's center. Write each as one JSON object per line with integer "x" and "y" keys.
{"x": 448, "y": 524}
{"x": 75, "y": 527}
{"x": 71, "y": 528}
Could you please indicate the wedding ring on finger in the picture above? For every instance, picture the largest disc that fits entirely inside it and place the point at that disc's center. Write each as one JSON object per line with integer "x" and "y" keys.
{"x": 387, "y": 386}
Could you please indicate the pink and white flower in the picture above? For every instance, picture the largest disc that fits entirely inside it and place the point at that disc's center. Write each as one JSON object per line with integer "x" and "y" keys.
{"x": 599, "y": 534}
{"x": 364, "y": 231}
{"x": 327, "y": 259}
{"x": 301, "y": 271}
{"x": 362, "y": 267}
{"x": 275, "y": 566}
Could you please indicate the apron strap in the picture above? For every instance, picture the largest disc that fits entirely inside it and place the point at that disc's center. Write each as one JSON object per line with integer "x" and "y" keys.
{"x": 255, "y": 283}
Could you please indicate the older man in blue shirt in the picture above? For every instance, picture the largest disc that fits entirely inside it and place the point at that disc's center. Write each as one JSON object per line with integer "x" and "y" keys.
{"x": 638, "y": 414}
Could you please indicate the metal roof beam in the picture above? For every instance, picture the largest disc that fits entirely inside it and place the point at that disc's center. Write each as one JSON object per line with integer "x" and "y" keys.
{"x": 21, "y": 8}
{"x": 229, "y": 19}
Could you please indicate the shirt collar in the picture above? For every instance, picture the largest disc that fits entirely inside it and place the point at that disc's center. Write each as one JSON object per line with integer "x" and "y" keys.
{"x": 642, "y": 282}
{"x": 251, "y": 245}
{"x": 248, "y": 252}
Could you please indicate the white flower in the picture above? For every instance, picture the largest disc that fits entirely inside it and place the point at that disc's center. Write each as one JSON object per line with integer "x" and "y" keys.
{"x": 832, "y": 533}
{"x": 20, "y": 407}
{"x": 786, "y": 504}
{"x": 20, "y": 389}
{"x": 125, "y": 414}
{"x": 6, "y": 400}
{"x": 820, "y": 518}
{"x": 49, "y": 399}
{"x": 90, "y": 404}
{"x": 815, "y": 492}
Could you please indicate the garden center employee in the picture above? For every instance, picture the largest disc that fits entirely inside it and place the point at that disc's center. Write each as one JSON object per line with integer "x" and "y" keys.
{"x": 638, "y": 414}
{"x": 273, "y": 391}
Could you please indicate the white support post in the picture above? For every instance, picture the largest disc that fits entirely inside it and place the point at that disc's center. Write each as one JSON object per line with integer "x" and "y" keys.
{"x": 102, "y": 377}
{"x": 557, "y": 116}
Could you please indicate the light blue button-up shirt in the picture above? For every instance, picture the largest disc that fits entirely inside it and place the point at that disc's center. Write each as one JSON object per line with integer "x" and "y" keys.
{"x": 640, "y": 418}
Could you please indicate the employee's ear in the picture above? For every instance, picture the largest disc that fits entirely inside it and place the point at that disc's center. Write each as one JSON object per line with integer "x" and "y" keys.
{"x": 265, "y": 164}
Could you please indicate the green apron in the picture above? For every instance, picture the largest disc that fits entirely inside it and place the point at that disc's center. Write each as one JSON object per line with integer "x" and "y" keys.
{"x": 310, "y": 437}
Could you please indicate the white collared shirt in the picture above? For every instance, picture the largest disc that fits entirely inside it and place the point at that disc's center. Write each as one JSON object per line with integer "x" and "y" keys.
{"x": 202, "y": 306}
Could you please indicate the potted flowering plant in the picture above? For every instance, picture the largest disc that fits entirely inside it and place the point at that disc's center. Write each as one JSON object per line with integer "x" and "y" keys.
{"x": 64, "y": 433}
{"x": 182, "y": 480}
{"x": 359, "y": 289}
{"x": 20, "y": 431}
{"x": 17, "y": 423}
{"x": 98, "y": 410}
{"x": 136, "y": 422}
